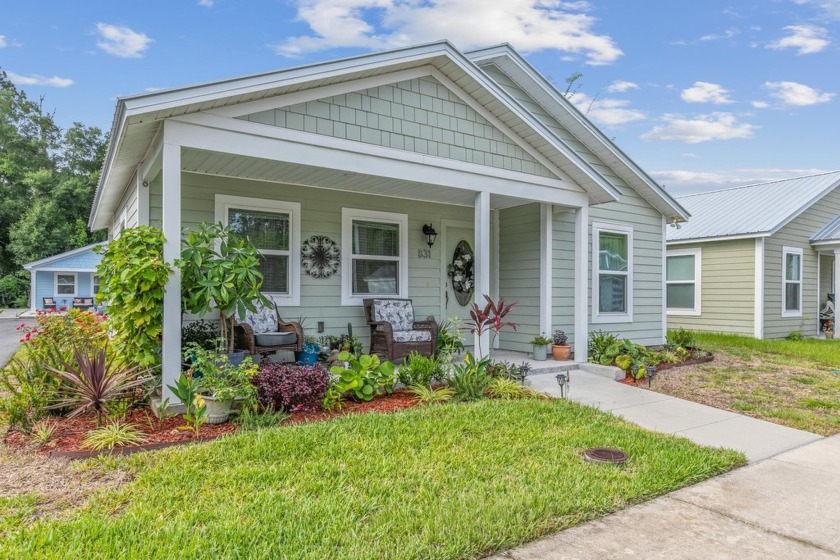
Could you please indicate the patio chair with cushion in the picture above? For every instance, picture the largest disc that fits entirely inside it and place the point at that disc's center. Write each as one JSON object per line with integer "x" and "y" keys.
{"x": 264, "y": 332}
{"x": 49, "y": 303}
{"x": 393, "y": 331}
{"x": 82, "y": 303}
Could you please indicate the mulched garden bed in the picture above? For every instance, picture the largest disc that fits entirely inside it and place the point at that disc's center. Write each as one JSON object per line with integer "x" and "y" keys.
{"x": 698, "y": 357}
{"x": 71, "y": 432}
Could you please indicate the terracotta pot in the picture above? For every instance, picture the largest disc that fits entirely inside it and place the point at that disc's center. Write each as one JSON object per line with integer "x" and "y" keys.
{"x": 561, "y": 352}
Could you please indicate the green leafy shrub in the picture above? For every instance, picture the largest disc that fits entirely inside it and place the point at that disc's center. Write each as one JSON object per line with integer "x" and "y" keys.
{"x": 204, "y": 334}
{"x": 26, "y": 388}
{"x": 679, "y": 338}
{"x": 113, "y": 434}
{"x": 501, "y": 388}
{"x": 470, "y": 379}
{"x": 365, "y": 376}
{"x": 450, "y": 340}
{"x": 420, "y": 370}
{"x": 220, "y": 379}
{"x": 599, "y": 342}
{"x": 250, "y": 421}
{"x": 541, "y": 340}
{"x": 186, "y": 390}
{"x": 43, "y": 431}
{"x": 624, "y": 362}
{"x": 133, "y": 276}
{"x": 429, "y": 395}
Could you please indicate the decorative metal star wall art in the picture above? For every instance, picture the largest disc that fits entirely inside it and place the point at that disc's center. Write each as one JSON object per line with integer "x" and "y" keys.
{"x": 320, "y": 256}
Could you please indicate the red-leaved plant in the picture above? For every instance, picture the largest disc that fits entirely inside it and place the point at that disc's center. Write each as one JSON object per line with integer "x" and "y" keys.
{"x": 93, "y": 381}
{"x": 491, "y": 318}
{"x": 291, "y": 388}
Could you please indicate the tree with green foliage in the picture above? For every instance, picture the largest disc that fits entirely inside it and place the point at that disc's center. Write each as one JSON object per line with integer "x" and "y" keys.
{"x": 47, "y": 180}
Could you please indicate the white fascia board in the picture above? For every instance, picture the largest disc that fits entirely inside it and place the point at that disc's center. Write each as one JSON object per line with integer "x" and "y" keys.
{"x": 202, "y": 93}
{"x": 506, "y": 54}
{"x": 718, "y": 238}
{"x": 218, "y": 134}
{"x": 116, "y": 135}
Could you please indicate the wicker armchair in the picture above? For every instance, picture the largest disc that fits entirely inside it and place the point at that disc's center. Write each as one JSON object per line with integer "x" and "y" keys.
{"x": 393, "y": 331}
{"x": 266, "y": 321}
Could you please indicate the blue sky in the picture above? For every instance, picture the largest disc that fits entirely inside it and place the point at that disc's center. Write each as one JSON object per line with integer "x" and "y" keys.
{"x": 702, "y": 94}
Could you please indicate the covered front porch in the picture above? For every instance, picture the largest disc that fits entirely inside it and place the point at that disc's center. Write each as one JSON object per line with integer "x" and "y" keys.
{"x": 528, "y": 233}
{"x": 827, "y": 244}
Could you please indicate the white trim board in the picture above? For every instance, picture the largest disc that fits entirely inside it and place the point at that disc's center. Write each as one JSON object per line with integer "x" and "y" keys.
{"x": 758, "y": 304}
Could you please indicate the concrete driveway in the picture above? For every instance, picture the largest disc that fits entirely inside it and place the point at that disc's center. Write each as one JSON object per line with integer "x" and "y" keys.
{"x": 10, "y": 337}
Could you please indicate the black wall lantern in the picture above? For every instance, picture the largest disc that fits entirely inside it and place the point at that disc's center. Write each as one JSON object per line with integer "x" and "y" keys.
{"x": 430, "y": 234}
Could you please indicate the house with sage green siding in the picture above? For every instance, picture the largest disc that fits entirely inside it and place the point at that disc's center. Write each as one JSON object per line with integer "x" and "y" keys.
{"x": 759, "y": 260}
{"x": 479, "y": 146}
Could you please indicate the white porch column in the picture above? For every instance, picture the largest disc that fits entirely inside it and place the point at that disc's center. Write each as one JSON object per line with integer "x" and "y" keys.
{"x": 482, "y": 260}
{"x": 546, "y": 268}
{"x": 582, "y": 284}
{"x": 171, "y": 356}
{"x": 836, "y": 284}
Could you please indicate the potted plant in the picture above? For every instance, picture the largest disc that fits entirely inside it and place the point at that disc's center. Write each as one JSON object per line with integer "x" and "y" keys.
{"x": 219, "y": 269}
{"x": 309, "y": 355}
{"x": 221, "y": 383}
{"x": 829, "y": 329}
{"x": 540, "y": 346}
{"x": 559, "y": 349}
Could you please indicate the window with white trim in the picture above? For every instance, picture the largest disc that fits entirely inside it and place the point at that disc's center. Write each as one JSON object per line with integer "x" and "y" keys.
{"x": 791, "y": 282}
{"x": 273, "y": 227}
{"x": 612, "y": 291}
{"x": 374, "y": 247}
{"x": 95, "y": 282}
{"x": 682, "y": 281}
{"x": 65, "y": 284}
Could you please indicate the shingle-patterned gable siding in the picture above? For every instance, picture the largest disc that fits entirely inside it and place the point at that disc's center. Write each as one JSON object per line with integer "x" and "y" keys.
{"x": 87, "y": 260}
{"x": 420, "y": 115}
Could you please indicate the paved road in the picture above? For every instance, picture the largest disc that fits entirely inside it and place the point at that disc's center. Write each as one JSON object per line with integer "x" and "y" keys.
{"x": 10, "y": 337}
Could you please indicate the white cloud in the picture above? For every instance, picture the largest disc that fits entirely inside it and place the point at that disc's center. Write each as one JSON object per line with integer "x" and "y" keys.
{"x": 36, "y": 80}
{"x": 706, "y": 92}
{"x": 806, "y": 39}
{"x": 205, "y": 3}
{"x": 2, "y": 41}
{"x": 529, "y": 25}
{"x": 606, "y": 111}
{"x": 760, "y": 104}
{"x": 622, "y": 86}
{"x": 702, "y": 128}
{"x": 728, "y": 34}
{"x": 122, "y": 41}
{"x": 685, "y": 181}
{"x": 828, "y": 8}
{"x": 793, "y": 93}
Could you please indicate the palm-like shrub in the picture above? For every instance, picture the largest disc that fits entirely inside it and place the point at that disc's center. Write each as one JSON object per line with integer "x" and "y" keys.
{"x": 114, "y": 434}
{"x": 93, "y": 381}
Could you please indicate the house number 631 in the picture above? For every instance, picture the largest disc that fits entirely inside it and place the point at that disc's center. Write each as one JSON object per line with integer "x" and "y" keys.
{"x": 424, "y": 253}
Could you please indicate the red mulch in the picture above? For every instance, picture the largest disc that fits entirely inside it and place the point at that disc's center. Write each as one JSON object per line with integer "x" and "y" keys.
{"x": 71, "y": 432}
{"x": 399, "y": 400}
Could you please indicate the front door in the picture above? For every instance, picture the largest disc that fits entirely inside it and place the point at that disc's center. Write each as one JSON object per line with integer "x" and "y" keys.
{"x": 457, "y": 278}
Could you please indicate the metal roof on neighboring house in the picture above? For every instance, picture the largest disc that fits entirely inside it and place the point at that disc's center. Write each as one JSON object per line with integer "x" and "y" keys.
{"x": 831, "y": 232}
{"x": 752, "y": 210}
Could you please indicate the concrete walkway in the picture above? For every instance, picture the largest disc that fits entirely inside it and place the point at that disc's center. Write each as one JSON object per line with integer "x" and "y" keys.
{"x": 784, "y": 507}
{"x": 702, "y": 424}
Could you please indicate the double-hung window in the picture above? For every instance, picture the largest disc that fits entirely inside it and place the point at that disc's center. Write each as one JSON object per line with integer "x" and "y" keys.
{"x": 273, "y": 227}
{"x": 682, "y": 279}
{"x": 791, "y": 282}
{"x": 374, "y": 255}
{"x": 612, "y": 290}
{"x": 65, "y": 284}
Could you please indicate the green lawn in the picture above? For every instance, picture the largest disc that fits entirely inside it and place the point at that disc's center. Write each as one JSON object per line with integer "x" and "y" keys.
{"x": 818, "y": 352}
{"x": 789, "y": 382}
{"x": 452, "y": 481}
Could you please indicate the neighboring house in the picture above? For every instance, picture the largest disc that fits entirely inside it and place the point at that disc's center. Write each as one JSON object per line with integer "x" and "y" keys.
{"x": 64, "y": 279}
{"x": 760, "y": 260}
{"x": 365, "y": 152}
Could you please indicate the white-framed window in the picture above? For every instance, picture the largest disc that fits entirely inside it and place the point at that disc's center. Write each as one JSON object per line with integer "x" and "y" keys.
{"x": 612, "y": 276}
{"x": 374, "y": 251}
{"x": 683, "y": 281}
{"x": 95, "y": 285}
{"x": 273, "y": 226}
{"x": 791, "y": 282}
{"x": 65, "y": 284}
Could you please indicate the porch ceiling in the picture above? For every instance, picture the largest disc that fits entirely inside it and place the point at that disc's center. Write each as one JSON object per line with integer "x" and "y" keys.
{"x": 206, "y": 162}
